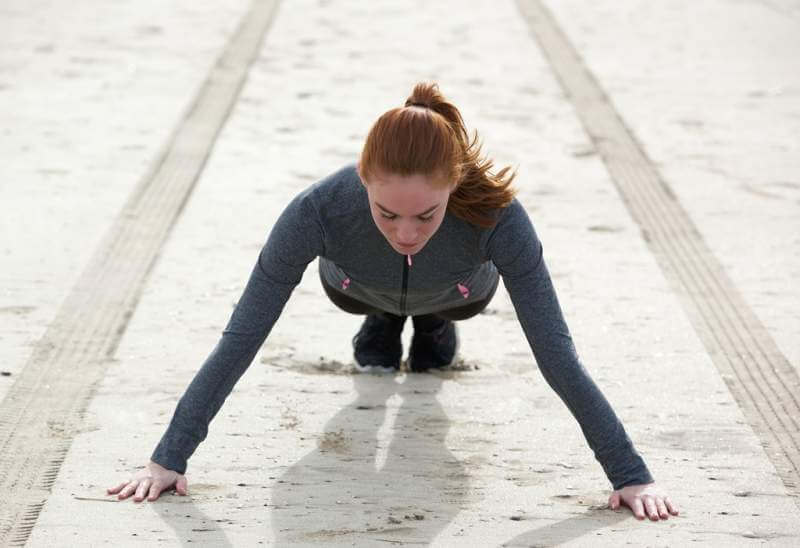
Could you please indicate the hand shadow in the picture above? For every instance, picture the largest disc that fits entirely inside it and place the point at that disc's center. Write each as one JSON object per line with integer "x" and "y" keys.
{"x": 563, "y": 531}
{"x": 354, "y": 489}
{"x": 191, "y": 526}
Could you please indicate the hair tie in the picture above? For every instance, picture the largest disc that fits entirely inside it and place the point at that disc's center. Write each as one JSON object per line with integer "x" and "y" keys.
{"x": 417, "y": 105}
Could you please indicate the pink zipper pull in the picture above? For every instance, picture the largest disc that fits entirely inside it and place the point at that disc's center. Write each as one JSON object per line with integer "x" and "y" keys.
{"x": 464, "y": 290}
{"x": 409, "y": 259}
{"x": 346, "y": 283}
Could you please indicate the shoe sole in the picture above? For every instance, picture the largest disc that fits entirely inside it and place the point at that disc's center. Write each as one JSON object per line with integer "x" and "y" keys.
{"x": 374, "y": 369}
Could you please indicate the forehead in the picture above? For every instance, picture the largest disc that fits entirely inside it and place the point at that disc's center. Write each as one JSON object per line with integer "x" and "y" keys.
{"x": 414, "y": 193}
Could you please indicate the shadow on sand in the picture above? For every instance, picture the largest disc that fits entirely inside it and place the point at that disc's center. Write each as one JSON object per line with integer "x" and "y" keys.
{"x": 190, "y": 524}
{"x": 563, "y": 531}
{"x": 370, "y": 481}
{"x": 381, "y": 473}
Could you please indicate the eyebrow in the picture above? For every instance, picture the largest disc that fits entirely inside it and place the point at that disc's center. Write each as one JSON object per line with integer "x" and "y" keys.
{"x": 417, "y": 215}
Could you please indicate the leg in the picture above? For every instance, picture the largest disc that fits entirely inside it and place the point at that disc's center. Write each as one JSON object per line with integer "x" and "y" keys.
{"x": 376, "y": 346}
{"x": 435, "y": 341}
{"x": 434, "y": 344}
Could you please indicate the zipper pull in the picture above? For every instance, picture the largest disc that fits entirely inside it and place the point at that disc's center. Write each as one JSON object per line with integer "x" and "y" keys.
{"x": 464, "y": 290}
{"x": 409, "y": 259}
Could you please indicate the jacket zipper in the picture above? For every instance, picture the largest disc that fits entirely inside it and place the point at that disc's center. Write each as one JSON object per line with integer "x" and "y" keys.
{"x": 405, "y": 288}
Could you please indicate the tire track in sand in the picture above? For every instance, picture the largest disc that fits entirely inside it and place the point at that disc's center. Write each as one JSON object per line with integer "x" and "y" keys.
{"x": 758, "y": 375}
{"x": 44, "y": 408}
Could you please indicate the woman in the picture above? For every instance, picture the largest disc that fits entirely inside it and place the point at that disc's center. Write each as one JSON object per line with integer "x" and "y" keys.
{"x": 420, "y": 227}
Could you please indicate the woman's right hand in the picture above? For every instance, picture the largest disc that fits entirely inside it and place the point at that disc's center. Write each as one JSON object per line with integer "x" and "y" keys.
{"x": 150, "y": 482}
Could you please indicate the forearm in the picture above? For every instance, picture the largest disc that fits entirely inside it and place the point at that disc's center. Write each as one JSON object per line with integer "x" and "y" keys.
{"x": 251, "y": 321}
{"x": 541, "y": 318}
{"x": 600, "y": 425}
{"x": 203, "y": 398}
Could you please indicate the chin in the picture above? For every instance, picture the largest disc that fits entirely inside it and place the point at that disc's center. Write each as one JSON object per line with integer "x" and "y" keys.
{"x": 409, "y": 251}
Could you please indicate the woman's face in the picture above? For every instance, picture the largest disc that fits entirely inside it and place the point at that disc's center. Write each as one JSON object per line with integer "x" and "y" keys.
{"x": 408, "y": 210}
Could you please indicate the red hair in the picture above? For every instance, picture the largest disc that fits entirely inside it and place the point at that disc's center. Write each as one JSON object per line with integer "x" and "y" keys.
{"x": 428, "y": 137}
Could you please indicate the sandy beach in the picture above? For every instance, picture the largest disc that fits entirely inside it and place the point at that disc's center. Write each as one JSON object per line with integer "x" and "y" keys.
{"x": 304, "y": 452}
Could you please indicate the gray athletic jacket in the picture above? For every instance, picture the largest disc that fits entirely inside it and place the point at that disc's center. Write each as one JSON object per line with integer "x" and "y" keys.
{"x": 459, "y": 264}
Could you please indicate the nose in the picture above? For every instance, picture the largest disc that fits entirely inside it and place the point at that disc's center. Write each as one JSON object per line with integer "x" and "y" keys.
{"x": 406, "y": 233}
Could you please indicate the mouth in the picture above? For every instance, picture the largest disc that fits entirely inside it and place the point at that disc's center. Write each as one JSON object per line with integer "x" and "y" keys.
{"x": 406, "y": 246}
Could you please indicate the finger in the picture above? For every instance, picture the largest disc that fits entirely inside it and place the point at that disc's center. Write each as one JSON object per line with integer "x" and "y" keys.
{"x": 671, "y": 507}
{"x": 613, "y": 501}
{"x": 117, "y": 489}
{"x": 141, "y": 491}
{"x": 181, "y": 485}
{"x": 662, "y": 509}
{"x": 637, "y": 507}
{"x": 155, "y": 490}
{"x": 128, "y": 490}
{"x": 650, "y": 506}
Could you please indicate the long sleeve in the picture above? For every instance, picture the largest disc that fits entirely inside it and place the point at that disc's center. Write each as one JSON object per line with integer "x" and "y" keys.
{"x": 295, "y": 240}
{"x": 517, "y": 252}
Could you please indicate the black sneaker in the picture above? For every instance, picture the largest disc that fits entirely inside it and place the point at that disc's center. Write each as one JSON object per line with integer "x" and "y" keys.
{"x": 432, "y": 346}
{"x": 377, "y": 347}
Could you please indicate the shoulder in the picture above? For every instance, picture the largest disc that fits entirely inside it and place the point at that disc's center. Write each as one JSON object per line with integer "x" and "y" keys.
{"x": 339, "y": 192}
{"x": 514, "y": 213}
{"x": 512, "y": 222}
{"x": 338, "y": 187}
{"x": 512, "y": 233}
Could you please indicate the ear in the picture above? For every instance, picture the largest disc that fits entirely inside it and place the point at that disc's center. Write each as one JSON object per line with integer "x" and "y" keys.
{"x": 358, "y": 170}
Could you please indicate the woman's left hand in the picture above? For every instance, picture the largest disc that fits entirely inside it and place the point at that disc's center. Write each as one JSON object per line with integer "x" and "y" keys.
{"x": 644, "y": 499}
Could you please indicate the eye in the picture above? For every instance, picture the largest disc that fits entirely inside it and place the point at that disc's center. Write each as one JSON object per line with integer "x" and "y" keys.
{"x": 427, "y": 219}
{"x": 390, "y": 217}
